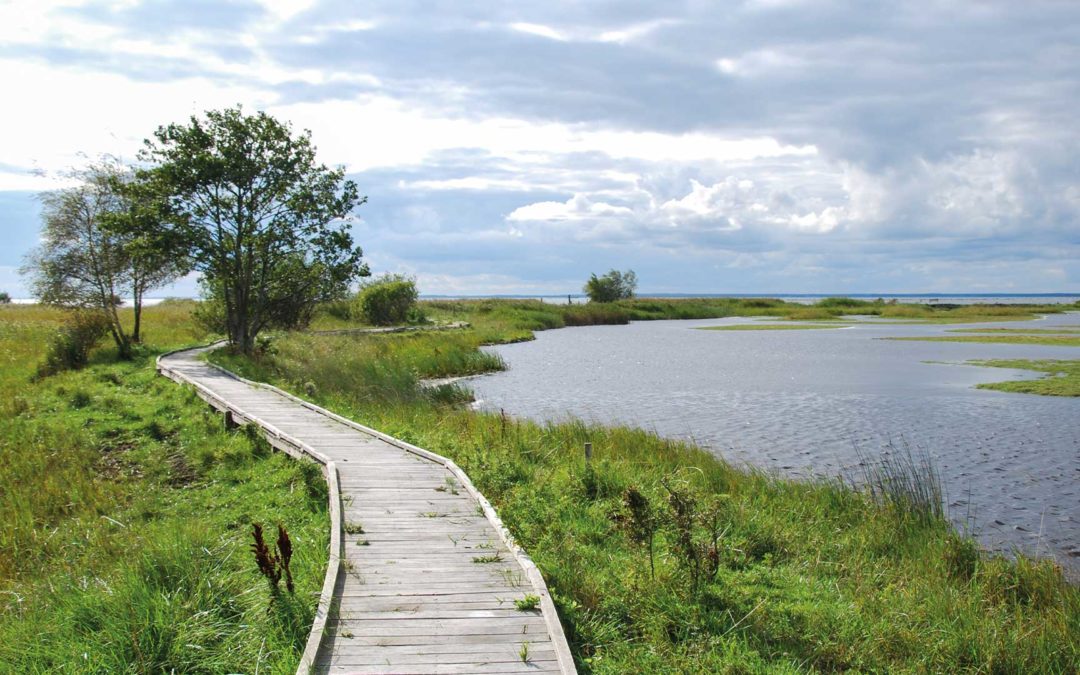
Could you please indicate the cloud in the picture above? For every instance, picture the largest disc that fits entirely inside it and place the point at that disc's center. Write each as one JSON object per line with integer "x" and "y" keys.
{"x": 760, "y": 144}
{"x": 539, "y": 30}
{"x": 578, "y": 207}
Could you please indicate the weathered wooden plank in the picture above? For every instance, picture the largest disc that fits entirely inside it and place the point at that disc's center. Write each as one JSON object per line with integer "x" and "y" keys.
{"x": 387, "y": 587}
{"x": 507, "y": 612}
{"x": 519, "y": 625}
{"x": 367, "y": 640}
{"x": 354, "y": 650}
{"x": 499, "y": 654}
{"x": 418, "y": 640}
{"x": 453, "y": 664}
{"x": 509, "y": 656}
{"x": 474, "y": 600}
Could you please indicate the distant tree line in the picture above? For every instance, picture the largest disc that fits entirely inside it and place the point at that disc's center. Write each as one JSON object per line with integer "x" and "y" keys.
{"x": 239, "y": 198}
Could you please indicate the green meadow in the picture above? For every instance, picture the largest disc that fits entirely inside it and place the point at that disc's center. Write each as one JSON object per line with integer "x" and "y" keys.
{"x": 127, "y": 512}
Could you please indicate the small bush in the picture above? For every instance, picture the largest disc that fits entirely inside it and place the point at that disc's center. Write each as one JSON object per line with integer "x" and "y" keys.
{"x": 5, "y": 299}
{"x": 339, "y": 309}
{"x": 388, "y": 300}
{"x": 70, "y": 347}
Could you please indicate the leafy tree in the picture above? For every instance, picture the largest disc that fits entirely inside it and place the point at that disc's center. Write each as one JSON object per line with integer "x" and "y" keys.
{"x": 5, "y": 299}
{"x": 263, "y": 222}
{"x": 614, "y": 285}
{"x": 90, "y": 256}
{"x": 156, "y": 255}
{"x": 388, "y": 300}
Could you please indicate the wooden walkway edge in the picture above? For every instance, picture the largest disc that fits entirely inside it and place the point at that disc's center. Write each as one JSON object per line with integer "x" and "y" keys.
{"x": 422, "y": 574}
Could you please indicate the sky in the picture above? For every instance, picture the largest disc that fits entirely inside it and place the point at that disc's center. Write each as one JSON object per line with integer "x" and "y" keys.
{"x": 761, "y": 146}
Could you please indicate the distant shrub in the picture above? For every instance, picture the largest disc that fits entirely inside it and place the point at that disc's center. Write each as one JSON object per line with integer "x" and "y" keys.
{"x": 69, "y": 348}
{"x": 388, "y": 299}
{"x": 5, "y": 299}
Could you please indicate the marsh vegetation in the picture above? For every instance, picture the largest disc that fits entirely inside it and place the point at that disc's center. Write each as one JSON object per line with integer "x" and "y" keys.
{"x": 662, "y": 558}
{"x": 130, "y": 508}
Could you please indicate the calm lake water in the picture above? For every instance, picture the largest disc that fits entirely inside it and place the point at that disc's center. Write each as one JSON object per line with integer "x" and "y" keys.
{"x": 801, "y": 401}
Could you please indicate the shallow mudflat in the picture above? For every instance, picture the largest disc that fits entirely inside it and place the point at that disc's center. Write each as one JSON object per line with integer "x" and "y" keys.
{"x": 806, "y": 402}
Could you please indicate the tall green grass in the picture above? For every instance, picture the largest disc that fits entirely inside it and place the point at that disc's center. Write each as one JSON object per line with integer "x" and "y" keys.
{"x": 125, "y": 517}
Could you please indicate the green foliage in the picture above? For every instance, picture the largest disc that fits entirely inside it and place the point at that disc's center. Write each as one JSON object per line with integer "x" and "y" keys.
{"x": 5, "y": 299}
{"x": 527, "y": 604}
{"x": 265, "y": 224}
{"x": 69, "y": 348}
{"x": 388, "y": 300}
{"x": 614, "y": 285}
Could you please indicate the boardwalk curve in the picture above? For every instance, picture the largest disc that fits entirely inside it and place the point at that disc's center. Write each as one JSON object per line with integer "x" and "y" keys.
{"x": 422, "y": 575}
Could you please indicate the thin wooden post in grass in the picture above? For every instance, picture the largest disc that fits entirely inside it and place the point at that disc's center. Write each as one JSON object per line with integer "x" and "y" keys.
{"x": 588, "y": 453}
{"x": 230, "y": 423}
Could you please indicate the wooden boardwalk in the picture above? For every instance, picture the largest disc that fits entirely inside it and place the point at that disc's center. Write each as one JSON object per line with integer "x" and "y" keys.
{"x": 428, "y": 576}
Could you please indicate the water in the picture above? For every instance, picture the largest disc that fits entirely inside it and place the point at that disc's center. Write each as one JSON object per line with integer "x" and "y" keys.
{"x": 811, "y": 298}
{"x": 800, "y": 401}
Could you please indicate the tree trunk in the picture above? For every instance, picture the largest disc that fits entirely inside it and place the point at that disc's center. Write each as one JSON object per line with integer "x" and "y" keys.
{"x": 123, "y": 344}
{"x": 137, "y": 305}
